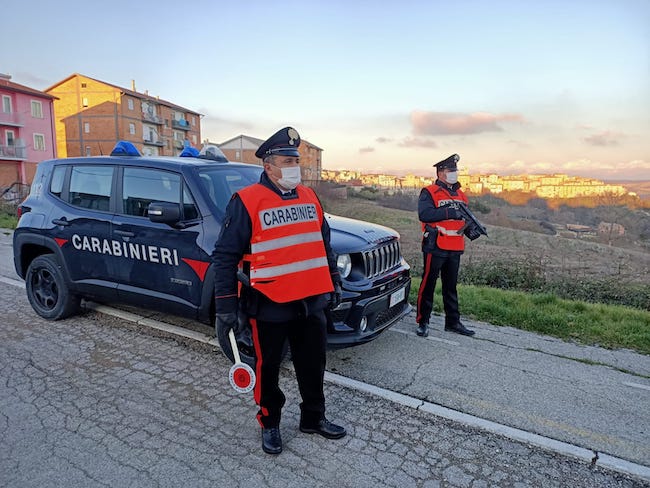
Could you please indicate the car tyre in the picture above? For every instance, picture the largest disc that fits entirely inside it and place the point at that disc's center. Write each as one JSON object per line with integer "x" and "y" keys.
{"x": 47, "y": 290}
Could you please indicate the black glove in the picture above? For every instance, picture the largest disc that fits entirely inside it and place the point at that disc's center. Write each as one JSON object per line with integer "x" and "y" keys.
{"x": 336, "y": 296}
{"x": 227, "y": 322}
{"x": 472, "y": 233}
{"x": 453, "y": 212}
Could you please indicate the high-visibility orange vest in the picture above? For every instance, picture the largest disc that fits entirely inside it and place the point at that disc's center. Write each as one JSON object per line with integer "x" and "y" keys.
{"x": 450, "y": 236}
{"x": 288, "y": 260}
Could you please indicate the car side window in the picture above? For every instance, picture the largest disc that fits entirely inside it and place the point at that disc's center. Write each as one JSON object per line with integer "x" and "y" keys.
{"x": 141, "y": 186}
{"x": 190, "y": 212}
{"x": 58, "y": 178}
{"x": 90, "y": 187}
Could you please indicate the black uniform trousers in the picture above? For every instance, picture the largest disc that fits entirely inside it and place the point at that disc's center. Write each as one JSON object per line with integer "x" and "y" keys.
{"x": 308, "y": 340}
{"x": 447, "y": 267}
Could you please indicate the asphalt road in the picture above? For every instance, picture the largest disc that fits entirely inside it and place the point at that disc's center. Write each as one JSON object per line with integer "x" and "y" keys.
{"x": 97, "y": 400}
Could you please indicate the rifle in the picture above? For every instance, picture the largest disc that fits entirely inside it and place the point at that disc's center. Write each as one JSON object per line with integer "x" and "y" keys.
{"x": 469, "y": 217}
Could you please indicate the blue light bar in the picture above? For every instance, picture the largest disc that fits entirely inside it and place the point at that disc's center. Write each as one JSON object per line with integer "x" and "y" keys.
{"x": 125, "y": 148}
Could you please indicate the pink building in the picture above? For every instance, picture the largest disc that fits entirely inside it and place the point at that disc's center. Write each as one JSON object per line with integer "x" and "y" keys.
{"x": 27, "y": 134}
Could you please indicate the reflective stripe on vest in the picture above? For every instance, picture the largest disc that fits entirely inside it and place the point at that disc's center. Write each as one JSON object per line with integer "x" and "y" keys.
{"x": 288, "y": 260}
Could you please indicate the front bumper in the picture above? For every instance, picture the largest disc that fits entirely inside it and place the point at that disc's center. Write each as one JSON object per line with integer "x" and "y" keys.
{"x": 362, "y": 316}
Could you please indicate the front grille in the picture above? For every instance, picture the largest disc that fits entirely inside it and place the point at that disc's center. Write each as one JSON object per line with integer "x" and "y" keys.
{"x": 379, "y": 260}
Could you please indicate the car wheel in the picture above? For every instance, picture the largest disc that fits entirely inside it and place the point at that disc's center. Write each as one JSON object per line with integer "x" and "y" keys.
{"x": 47, "y": 290}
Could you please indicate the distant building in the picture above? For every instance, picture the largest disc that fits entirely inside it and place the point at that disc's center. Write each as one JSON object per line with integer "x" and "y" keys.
{"x": 27, "y": 134}
{"x": 92, "y": 115}
{"x": 242, "y": 148}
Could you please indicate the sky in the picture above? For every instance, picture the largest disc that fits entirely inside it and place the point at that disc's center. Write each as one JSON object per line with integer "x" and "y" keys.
{"x": 513, "y": 87}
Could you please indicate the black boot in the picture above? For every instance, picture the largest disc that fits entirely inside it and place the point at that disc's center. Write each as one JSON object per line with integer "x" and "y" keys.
{"x": 323, "y": 427}
{"x": 423, "y": 330}
{"x": 459, "y": 328}
{"x": 271, "y": 440}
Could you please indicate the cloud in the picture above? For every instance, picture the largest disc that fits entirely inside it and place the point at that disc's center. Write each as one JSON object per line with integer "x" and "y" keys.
{"x": 444, "y": 123}
{"x": 417, "y": 142}
{"x": 383, "y": 140}
{"x": 604, "y": 138}
{"x": 364, "y": 150}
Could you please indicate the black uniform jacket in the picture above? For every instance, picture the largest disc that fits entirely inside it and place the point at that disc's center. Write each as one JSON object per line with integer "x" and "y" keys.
{"x": 233, "y": 243}
{"x": 428, "y": 212}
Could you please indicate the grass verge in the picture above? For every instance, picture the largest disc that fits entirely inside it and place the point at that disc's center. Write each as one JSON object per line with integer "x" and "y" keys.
{"x": 609, "y": 326}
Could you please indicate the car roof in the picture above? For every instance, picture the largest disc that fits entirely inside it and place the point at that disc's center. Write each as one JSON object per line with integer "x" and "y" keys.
{"x": 162, "y": 162}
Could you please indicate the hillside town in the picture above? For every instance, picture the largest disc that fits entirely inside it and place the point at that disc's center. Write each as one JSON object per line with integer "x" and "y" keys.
{"x": 544, "y": 186}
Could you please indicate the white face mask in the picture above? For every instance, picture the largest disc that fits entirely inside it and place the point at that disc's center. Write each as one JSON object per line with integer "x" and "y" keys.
{"x": 452, "y": 177}
{"x": 290, "y": 177}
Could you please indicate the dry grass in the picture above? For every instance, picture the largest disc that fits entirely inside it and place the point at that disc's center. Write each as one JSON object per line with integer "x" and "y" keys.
{"x": 556, "y": 256}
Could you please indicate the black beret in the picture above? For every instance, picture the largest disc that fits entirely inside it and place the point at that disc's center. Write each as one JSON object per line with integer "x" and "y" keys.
{"x": 284, "y": 142}
{"x": 449, "y": 163}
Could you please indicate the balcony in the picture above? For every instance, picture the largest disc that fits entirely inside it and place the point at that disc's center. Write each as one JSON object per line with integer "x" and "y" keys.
{"x": 181, "y": 124}
{"x": 11, "y": 118}
{"x": 13, "y": 152}
{"x": 154, "y": 119}
{"x": 153, "y": 141}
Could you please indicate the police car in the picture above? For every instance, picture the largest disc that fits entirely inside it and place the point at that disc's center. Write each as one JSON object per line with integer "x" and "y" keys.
{"x": 140, "y": 230}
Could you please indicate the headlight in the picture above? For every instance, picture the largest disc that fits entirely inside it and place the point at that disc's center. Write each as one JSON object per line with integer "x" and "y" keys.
{"x": 344, "y": 264}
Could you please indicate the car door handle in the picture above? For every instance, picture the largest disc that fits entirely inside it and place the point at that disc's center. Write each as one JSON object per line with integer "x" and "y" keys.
{"x": 62, "y": 222}
{"x": 124, "y": 233}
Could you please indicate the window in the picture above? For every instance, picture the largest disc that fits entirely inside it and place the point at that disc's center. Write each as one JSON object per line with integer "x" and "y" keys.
{"x": 90, "y": 187}
{"x": 84, "y": 101}
{"x": 141, "y": 186}
{"x": 37, "y": 109}
{"x": 87, "y": 127}
{"x": 194, "y": 139}
{"x": 39, "y": 142}
{"x": 10, "y": 137}
{"x": 58, "y": 176}
{"x": 190, "y": 212}
{"x": 131, "y": 128}
{"x": 129, "y": 103}
{"x": 193, "y": 121}
{"x": 88, "y": 151}
{"x": 6, "y": 104}
{"x": 84, "y": 85}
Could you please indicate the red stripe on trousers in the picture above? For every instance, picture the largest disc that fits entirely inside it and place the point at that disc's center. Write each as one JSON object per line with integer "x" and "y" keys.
{"x": 425, "y": 277}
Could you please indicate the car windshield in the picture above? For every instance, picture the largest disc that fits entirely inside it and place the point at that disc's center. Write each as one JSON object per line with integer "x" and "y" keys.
{"x": 222, "y": 181}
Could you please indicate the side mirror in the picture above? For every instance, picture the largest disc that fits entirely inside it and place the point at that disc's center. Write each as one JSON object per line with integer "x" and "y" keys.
{"x": 164, "y": 212}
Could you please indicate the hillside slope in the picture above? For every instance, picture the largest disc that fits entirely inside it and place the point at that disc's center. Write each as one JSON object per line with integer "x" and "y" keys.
{"x": 571, "y": 257}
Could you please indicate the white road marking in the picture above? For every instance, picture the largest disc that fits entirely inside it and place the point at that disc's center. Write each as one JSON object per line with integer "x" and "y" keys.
{"x": 637, "y": 385}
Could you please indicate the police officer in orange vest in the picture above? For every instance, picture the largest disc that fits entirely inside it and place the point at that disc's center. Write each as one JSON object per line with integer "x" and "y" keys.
{"x": 275, "y": 230}
{"x": 443, "y": 242}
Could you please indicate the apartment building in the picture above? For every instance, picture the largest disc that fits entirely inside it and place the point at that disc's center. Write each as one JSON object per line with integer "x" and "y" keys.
{"x": 92, "y": 115}
{"x": 26, "y": 131}
{"x": 242, "y": 149}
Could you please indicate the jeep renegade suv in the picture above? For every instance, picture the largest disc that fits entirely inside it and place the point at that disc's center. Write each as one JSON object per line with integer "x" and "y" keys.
{"x": 140, "y": 230}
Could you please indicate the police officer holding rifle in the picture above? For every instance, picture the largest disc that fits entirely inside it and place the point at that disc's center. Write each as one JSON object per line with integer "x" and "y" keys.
{"x": 277, "y": 231}
{"x": 445, "y": 218}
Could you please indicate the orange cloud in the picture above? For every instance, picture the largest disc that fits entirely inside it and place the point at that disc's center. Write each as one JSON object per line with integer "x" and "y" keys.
{"x": 444, "y": 123}
{"x": 363, "y": 150}
{"x": 383, "y": 140}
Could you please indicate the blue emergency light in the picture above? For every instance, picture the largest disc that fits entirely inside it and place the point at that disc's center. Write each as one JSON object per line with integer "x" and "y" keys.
{"x": 189, "y": 152}
{"x": 125, "y": 148}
